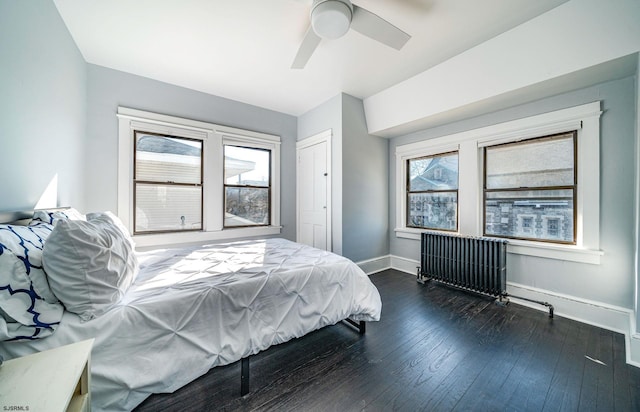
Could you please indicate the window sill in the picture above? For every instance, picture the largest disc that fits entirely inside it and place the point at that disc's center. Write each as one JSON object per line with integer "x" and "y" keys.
{"x": 167, "y": 239}
{"x": 521, "y": 247}
{"x": 550, "y": 251}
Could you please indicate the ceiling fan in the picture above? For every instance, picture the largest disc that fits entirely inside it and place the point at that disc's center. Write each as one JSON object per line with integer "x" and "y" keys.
{"x": 331, "y": 19}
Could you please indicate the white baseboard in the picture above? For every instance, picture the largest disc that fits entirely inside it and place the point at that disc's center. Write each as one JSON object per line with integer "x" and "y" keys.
{"x": 375, "y": 265}
{"x": 594, "y": 313}
{"x": 633, "y": 343}
{"x": 602, "y": 315}
{"x": 633, "y": 349}
{"x": 404, "y": 265}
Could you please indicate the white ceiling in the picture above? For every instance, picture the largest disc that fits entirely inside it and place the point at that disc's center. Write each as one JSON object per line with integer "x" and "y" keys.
{"x": 243, "y": 49}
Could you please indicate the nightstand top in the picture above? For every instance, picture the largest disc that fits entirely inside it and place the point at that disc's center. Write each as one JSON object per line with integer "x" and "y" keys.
{"x": 45, "y": 380}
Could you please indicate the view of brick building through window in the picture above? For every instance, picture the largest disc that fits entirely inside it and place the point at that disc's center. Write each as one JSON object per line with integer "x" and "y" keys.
{"x": 529, "y": 190}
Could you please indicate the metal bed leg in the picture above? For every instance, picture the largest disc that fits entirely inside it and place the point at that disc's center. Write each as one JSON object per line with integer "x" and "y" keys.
{"x": 361, "y": 326}
{"x": 244, "y": 376}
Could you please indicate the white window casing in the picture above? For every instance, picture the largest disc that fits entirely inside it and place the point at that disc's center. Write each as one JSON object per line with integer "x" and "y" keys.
{"x": 469, "y": 144}
{"x": 213, "y": 137}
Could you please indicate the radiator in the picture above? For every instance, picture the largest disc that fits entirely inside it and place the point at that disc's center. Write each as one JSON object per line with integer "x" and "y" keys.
{"x": 472, "y": 263}
{"x": 476, "y": 264}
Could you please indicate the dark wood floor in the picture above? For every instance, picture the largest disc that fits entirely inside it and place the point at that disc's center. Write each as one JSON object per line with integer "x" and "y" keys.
{"x": 435, "y": 349}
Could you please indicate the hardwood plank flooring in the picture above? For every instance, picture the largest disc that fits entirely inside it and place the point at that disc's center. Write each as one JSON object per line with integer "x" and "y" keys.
{"x": 435, "y": 349}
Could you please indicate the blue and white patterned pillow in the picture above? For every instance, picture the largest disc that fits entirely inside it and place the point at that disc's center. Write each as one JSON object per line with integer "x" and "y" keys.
{"x": 28, "y": 308}
{"x": 51, "y": 216}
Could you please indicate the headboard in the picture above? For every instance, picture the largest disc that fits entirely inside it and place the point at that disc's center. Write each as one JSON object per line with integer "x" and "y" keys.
{"x": 15, "y": 217}
{"x": 11, "y": 217}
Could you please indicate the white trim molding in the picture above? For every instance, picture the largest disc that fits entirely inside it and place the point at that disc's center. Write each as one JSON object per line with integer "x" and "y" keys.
{"x": 375, "y": 265}
{"x": 585, "y": 119}
{"x": 632, "y": 345}
{"x": 587, "y": 311}
{"x": 602, "y": 315}
{"x": 214, "y": 137}
{"x": 406, "y": 265}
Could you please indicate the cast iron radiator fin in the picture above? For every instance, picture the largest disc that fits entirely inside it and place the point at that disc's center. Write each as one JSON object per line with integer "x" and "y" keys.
{"x": 476, "y": 264}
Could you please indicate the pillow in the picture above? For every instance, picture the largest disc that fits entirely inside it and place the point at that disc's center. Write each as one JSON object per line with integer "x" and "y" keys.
{"x": 51, "y": 216}
{"x": 115, "y": 220}
{"x": 90, "y": 265}
{"x": 28, "y": 307}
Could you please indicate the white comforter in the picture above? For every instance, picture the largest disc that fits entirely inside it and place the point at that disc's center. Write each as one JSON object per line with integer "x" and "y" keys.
{"x": 195, "y": 308}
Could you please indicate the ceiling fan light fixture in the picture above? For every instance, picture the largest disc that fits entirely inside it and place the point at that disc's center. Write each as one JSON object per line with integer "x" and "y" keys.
{"x": 331, "y": 19}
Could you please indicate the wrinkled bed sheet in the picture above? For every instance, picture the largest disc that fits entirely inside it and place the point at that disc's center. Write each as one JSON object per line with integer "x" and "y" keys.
{"x": 191, "y": 309}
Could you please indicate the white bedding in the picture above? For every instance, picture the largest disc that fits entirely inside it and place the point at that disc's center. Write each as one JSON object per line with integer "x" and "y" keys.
{"x": 191, "y": 309}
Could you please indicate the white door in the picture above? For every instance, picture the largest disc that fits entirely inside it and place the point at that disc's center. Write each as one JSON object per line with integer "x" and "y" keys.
{"x": 313, "y": 192}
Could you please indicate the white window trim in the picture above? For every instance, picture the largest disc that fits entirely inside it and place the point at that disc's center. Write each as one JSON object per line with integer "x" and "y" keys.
{"x": 213, "y": 137}
{"x": 585, "y": 119}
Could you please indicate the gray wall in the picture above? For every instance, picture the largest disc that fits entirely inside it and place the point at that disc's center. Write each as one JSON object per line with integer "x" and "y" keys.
{"x": 365, "y": 189}
{"x": 612, "y": 281}
{"x": 360, "y": 190}
{"x": 326, "y": 116}
{"x": 107, "y": 89}
{"x": 42, "y": 106}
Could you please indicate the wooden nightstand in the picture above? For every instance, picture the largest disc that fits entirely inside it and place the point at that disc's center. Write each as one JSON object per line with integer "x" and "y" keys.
{"x": 54, "y": 380}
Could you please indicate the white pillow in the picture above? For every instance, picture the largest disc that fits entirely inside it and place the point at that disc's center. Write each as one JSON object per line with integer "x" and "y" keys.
{"x": 90, "y": 265}
{"x": 115, "y": 220}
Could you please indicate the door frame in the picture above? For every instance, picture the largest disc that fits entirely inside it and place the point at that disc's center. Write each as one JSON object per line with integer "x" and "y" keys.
{"x": 322, "y": 137}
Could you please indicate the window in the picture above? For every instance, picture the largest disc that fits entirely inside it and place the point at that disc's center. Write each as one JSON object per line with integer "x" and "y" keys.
{"x": 525, "y": 227}
{"x": 182, "y": 180}
{"x": 247, "y": 186}
{"x": 167, "y": 183}
{"x": 553, "y": 227}
{"x": 432, "y": 186}
{"x": 527, "y": 180}
{"x": 539, "y": 185}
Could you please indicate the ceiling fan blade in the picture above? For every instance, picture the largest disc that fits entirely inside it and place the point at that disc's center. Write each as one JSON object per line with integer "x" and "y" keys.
{"x": 377, "y": 28}
{"x": 309, "y": 43}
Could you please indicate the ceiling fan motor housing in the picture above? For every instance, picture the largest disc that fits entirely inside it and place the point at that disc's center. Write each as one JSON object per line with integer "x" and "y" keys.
{"x": 331, "y": 19}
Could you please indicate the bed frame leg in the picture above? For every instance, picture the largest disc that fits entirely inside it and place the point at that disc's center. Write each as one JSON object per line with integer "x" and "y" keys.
{"x": 244, "y": 376}
{"x": 361, "y": 325}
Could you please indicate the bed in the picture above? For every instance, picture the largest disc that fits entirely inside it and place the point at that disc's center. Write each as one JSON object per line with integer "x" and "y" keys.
{"x": 190, "y": 309}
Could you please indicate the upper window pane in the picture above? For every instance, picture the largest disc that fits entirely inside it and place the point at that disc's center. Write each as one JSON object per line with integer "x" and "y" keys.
{"x": 433, "y": 173}
{"x": 168, "y": 159}
{"x": 432, "y": 192}
{"x": 545, "y": 162}
{"x": 245, "y": 166}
